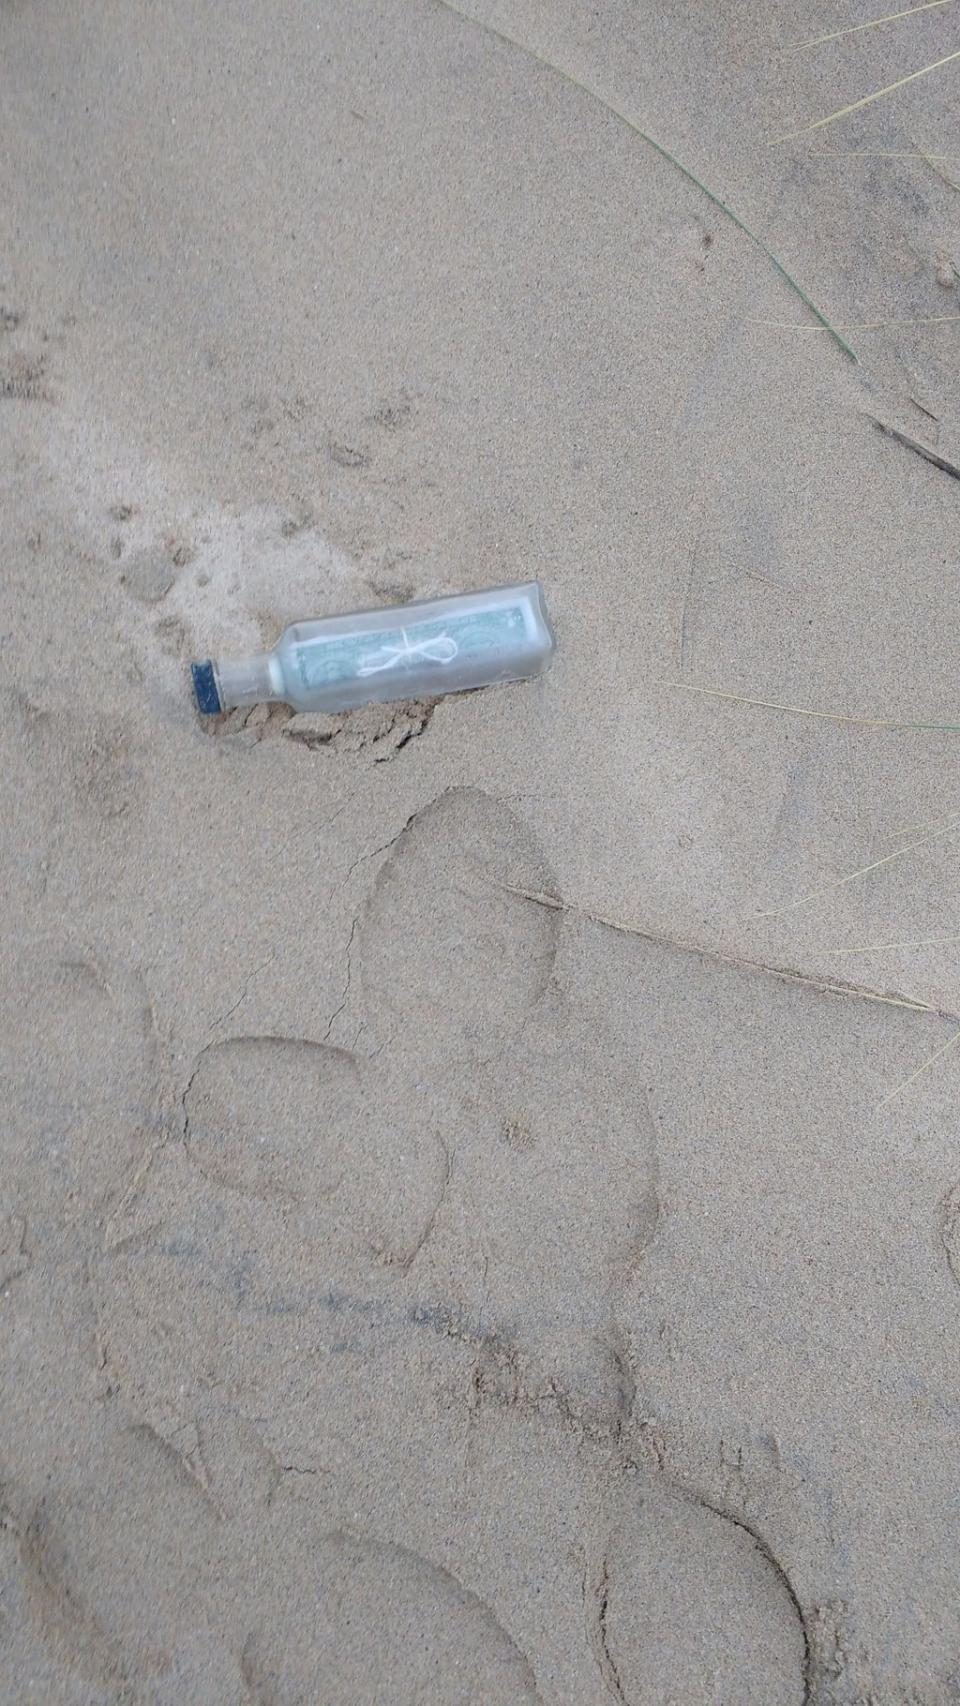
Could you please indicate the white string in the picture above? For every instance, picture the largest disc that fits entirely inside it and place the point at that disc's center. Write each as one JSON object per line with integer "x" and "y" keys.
{"x": 440, "y": 649}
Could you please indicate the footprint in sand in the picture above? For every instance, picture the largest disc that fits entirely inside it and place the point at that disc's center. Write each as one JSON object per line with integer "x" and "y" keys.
{"x": 259, "y": 1282}
{"x": 345, "y": 1629}
{"x": 553, "y": 1160}
{"x": 444, "y": 1223}
{"x": 112, "y": 1584}
{"x": 325, "y": 1204}
{"x": 689, "y": 1606}
{"x": 82, "y": 1089}
{"x": 126, "y": 1586}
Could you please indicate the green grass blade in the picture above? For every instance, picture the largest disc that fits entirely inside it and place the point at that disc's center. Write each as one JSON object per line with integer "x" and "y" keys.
{"x": 665, "y": 153}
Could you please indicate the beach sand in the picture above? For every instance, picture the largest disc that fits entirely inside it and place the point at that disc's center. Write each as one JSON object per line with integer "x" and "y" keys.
{"x": 411, "y": 1291}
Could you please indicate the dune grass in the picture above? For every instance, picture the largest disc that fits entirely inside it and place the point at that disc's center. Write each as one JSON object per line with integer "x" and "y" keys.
{"x": 807, "y": 711}
{"x": 786, "y": 974}
{"x": 871, "y": 24}
{"x": 885, "y": 947}
{"x": 878, "y": 154}
{"x": 858, "y": 325}
{"x": 866, "y": 100}
{"x": 932, "y": 161}
{"x": 660, "y": 148}
{"x": 904, "y": 1084}
{"x": 861, "y": 871}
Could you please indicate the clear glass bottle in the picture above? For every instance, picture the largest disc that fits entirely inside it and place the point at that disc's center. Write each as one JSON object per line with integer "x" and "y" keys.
{"x": 439, "y": 645}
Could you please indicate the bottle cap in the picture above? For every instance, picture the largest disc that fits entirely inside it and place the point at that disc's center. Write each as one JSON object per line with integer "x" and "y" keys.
{"x": 205, "y": 688}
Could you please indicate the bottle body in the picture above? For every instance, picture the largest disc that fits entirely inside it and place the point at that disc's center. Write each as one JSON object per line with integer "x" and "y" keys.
{"x": 438, "y": 645}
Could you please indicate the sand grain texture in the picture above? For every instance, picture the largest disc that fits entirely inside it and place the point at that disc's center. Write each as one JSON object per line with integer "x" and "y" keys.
{"x": 410, "y": 1291}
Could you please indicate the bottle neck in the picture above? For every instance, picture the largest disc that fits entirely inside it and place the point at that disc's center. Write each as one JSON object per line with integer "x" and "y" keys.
{"x": 247, "y": 681}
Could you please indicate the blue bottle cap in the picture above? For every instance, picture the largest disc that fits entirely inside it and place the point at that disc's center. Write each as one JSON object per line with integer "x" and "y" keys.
{"x": 205, "y": 688}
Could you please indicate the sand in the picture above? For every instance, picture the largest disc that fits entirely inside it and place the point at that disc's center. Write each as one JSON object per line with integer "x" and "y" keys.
{"x": 410, "y": 1291}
